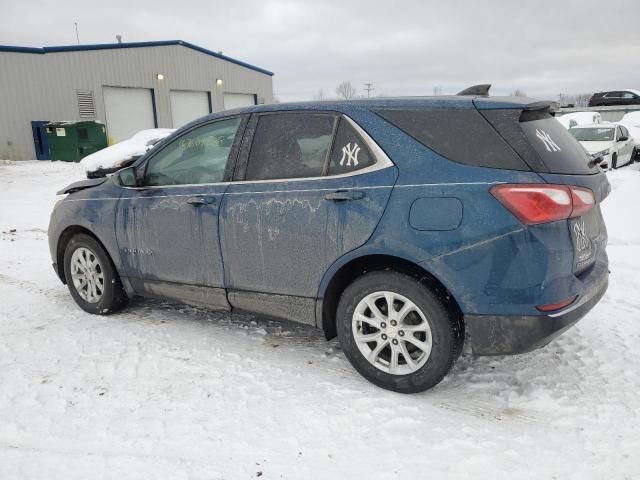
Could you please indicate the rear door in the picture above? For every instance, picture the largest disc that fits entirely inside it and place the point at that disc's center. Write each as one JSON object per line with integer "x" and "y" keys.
{"x": 310, "y": 187}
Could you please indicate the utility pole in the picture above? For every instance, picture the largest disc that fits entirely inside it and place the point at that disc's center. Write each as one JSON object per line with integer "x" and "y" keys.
{"x": 77, "y": 34}
{"x": 369, "y": 88}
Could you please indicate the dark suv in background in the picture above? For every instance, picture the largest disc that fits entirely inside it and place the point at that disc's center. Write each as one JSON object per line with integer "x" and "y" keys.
{"x": 616, "y": 97}
{"x": 398, "y": 225}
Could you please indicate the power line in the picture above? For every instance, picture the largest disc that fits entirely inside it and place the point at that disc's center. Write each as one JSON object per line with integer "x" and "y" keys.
{"x": 369, "y": 88}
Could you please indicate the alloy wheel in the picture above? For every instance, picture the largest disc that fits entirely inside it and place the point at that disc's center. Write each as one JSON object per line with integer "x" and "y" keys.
{"x": 392, "y": 333}
{"x": 87, "y": 275}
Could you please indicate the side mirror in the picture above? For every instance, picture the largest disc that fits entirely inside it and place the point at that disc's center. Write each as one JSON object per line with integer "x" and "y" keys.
{"x": 623, "y": 139}
{"x": 127, "y": 177}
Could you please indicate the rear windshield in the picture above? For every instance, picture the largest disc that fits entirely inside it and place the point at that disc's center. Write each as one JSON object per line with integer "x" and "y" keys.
{"x": 592, "y": 134}
{"x": 463, "y": 136}
{"x": 541, "y": 141}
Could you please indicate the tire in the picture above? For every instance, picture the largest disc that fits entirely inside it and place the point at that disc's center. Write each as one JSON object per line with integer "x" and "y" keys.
{"x": 109, "y": 295}
{"x": 430, "y": 319}
{"x": 614, "y": 161}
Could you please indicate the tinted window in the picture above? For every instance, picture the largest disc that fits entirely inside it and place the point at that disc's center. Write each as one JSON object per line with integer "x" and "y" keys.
{"x": 599, "y": 134}
{"x": 349, "y": 151}
{"x": 290, "y": 145}
{"x": 560, "y": 152}
{"x": 463, "y": 136}
{"x": 199, "y": 156}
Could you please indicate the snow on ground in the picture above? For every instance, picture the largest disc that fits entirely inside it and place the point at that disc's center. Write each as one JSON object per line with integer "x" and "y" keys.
{"x": 162, "y": 390}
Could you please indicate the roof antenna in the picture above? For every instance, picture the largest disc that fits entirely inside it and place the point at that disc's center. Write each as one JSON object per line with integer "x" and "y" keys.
{"x": 77, "y": 34}
{"x": 119, "y": 38}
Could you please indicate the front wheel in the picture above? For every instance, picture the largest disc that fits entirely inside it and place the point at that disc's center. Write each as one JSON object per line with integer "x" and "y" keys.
{"x": 91, "y": 277}
{"x": 397, "y": 333}
{"x": 614, "y": 161}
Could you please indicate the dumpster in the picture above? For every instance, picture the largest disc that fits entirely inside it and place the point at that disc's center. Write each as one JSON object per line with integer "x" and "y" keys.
{"x": 72, "y": 141}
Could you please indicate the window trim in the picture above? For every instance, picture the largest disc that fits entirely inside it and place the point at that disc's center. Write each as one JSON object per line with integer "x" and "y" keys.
{"x": 381, "y": 159}
{"x": 231, "y": 162}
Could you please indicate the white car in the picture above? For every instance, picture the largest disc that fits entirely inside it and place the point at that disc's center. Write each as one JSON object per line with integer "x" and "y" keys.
{"x": 573, "y": 119}
{"x": 631, "y": 121}
{"x": 608, "y": 141}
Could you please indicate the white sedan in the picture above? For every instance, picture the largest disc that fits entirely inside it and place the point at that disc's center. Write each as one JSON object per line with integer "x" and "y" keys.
{"x": 608, "y": 141}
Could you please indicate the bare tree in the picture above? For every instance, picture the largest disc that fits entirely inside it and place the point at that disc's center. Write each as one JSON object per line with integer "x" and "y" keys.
{"x": 346, "y": 90}
{"x": 320, "y": 95}
{"x": 518, "y": 93}
{"x": 575, "y": 100}
{"x": 437, "y": 91}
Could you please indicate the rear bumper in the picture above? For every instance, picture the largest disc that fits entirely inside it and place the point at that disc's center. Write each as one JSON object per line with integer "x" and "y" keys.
{"x": 508, "y": 335}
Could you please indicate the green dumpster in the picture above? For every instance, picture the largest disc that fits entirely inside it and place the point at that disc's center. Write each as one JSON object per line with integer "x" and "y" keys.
{"x": 72, "y": 141}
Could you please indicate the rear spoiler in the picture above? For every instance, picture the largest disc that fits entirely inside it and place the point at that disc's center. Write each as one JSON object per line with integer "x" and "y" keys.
{"x": 549, "y": 106}
{"x": 477, "y": 90}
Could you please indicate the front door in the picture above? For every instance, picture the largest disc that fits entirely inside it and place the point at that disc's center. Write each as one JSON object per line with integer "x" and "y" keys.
{"x": 313, "y": 190}
{"x": 40, "y": 143}
{"x": 168, "y": 228}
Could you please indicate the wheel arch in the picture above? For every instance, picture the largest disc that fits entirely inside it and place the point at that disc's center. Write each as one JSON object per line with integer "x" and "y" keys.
{"x": 63, "y": 240}
{"x": 335, "y": 284}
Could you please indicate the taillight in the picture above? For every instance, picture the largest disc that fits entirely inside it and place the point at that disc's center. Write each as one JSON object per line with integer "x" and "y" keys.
{"x": 558, "y": 305}
{"x": 541, "y": 203}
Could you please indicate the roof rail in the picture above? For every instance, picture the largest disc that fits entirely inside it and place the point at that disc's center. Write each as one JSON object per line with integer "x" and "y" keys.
{"x": 481, "y": 90}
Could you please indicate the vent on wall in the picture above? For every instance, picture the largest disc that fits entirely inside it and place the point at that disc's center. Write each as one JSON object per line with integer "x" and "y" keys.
{"x": 86, "y": 106}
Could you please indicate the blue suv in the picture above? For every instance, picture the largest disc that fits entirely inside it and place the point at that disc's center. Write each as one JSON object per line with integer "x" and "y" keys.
{"x": 403, "y": 226}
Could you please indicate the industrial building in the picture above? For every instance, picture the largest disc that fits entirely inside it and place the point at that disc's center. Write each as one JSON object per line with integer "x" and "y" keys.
{"x": 127, "y": 86}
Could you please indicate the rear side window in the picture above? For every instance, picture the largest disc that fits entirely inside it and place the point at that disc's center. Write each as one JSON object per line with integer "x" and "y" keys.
{"x": 290, "y": 145}
{"x": 349, "y": 151}
{"x": 463, "y": 136}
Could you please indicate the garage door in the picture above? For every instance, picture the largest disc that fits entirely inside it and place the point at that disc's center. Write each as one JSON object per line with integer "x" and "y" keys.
{"x": 237, "y": 100}
{"x": 187, "y": 106}
{"x": 128, "y": 111}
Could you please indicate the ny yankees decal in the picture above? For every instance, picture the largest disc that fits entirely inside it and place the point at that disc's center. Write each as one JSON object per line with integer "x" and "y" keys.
{"x": 350, "y": 154}
{"x": 547, "y": 140}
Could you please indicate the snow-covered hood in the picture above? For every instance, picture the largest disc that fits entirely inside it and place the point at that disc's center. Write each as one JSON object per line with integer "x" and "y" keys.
{"x": 595, "y": 147}
{"x": 115, "y": 155}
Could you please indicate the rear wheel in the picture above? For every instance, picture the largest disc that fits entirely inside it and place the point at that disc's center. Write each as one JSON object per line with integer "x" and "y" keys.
{"x": 91, "y": 277}
{"x": 397, "y": 333}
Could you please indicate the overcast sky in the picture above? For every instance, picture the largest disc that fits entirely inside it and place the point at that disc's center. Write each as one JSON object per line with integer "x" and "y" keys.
{"x": 402, "y": 47}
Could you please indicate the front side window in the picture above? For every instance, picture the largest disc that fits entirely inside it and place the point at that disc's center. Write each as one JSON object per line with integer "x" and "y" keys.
{"x": 349, "y": 151}
{"x": 197, "y": 157}
{"x": 290, "y": 145}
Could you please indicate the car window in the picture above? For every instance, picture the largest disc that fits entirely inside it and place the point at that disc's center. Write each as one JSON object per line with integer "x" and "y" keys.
{"x": 624, "y": 131}
{"x": 613, "y": 95}
{"x": 349, "y": 151}
{"x": 199, "y": 156}
{"x": 618, "y": 134}
{"x": 595, "y": 134}
{"x": 627, "y": 95}
{"x": 290, "y": 145}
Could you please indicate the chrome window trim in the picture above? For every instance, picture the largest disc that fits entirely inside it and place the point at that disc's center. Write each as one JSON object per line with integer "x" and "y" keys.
{"x": 382, "y": 161}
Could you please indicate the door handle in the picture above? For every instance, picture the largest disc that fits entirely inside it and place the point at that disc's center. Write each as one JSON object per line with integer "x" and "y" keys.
{"x": 344, "y": 195}
{"x": 199, "y": 201}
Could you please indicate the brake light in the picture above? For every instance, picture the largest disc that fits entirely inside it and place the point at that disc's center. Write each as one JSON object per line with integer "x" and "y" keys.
{"x": 583, "y": 201}
{"x": 533, "y": 204}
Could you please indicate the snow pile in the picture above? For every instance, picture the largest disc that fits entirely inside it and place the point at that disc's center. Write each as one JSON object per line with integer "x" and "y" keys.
{"x": 569, "y": 120}
{"x": 114, "y": 155}
{"x": 162, "y": 390}
{"x": 631, "y": 120}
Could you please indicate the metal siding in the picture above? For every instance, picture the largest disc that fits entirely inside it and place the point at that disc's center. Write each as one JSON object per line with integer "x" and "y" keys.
{"x": 43, "y": 86}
